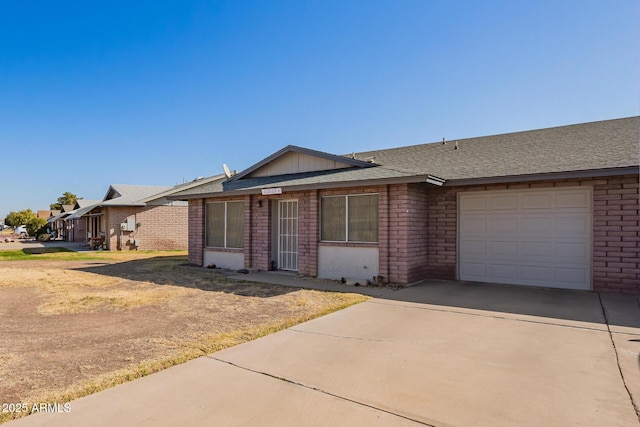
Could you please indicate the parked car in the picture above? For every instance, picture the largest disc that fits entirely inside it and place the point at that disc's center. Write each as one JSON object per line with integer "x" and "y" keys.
{"x": 21, "y": 231}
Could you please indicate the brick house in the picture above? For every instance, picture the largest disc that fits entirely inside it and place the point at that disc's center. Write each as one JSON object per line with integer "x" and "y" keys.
{"x": 77, "y": 223}
{"x": 554, "y": 207}
{"x": 133, "y": 217}
{"x": 44, "y": 214}
{"x": 56, "y": 223}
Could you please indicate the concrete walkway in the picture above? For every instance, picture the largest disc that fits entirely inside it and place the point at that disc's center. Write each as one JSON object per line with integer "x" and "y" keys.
{"x": 439, "y": 354}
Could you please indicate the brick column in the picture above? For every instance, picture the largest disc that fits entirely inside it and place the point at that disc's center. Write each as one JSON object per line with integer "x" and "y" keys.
{"x": 616, "y": 235}
{"x": 308, "y": 233}
{"x": 398, "y": 233}
{"x": 260, "y": 230}
{"x": 196, "y": 231}
{"x": 383, "y": 233}
{"x": 248, "y": 236}
{"x": 442, "y": 233}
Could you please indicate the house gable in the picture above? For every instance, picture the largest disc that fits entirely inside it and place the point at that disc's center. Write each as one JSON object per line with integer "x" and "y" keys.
{"x": 112, "y": 193}
{"x": 293, "y": 160}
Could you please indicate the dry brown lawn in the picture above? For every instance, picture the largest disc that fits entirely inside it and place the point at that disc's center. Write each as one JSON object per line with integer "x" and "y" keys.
{"x": 71, "y": 328}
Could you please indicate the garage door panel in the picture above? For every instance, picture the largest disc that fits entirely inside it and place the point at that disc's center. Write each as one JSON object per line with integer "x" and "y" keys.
{"x": 502, "y": 248}
{"x": 540, "y": 275}
{"x": 577, "y": 250}
{"x": 473, "y": 224}
{"x": 536, "y": 249}
{"x": 538, "y": 237}
{"x": 571, "y": 278}
{"x": 473, "y": 248}
{"x": 471, "y": 203}
{"x": 502, "y": 225}
{"x": 574, "y": 199}
{"x": 503, "y": 272}
{"x": 536, "y": 226}
{"x": 537, "y": 201}
{"x": 500, "y": 202}
{"x": 573, "y": 225}
{"x": 474, "y": 270}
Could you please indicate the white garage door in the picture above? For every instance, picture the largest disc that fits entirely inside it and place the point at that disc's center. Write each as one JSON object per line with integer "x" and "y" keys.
{"x": 526, "y": 237}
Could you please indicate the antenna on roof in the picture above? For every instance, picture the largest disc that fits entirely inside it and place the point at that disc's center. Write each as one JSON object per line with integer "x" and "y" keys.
{"x": 226, "y": 170}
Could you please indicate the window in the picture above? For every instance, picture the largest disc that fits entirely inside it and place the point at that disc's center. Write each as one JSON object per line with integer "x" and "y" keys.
{"x": 225, "y": 225}
{"x": 349, "y": 218}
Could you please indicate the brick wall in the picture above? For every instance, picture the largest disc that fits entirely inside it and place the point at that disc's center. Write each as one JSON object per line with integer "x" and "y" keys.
{"x": 196, "y": 231}
{"x": 441, "y": 217}
{"x": 616, "y": 229}
{"x": 161, "y": 227}
{"x": 257, "y": 241}
{"x": 616, "y": 235}
{"x": 384, "y": 235}
{"x": 407, "y": 225}
{"x": 79, "y": 230}
{"x": 309, "y": 233}
{"x": 418, "y": 230}
{"x": 114, "y": 216}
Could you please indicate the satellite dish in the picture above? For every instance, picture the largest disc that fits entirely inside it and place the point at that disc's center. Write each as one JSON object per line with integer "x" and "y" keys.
{"x": 225, "y": 168}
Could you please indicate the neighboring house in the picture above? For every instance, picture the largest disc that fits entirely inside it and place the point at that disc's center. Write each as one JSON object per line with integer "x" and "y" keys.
{"x": 76, "y": 223}
{"x": 137, "y": 217}
{"x": 56, "y": 221}
{"x": 44, "y": 214}
{"x": 554, "y": 207}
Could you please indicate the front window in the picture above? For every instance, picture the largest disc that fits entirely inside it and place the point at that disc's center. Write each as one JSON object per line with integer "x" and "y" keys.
{"x": 349, "y": 218}
{"x": 225, "y": 225}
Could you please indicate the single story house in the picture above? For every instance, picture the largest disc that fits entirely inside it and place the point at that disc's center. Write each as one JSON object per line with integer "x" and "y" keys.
{"x": 136, "y": 217}
{"x": 56, "y": 223}
{"x": 554, "y": 207}
{"x": 44, "y": 214}
{"x": 76, "y": 223}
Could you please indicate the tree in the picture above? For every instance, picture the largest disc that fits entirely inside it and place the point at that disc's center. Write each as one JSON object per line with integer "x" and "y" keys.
{"x": 15, "y": 219}
{"x": 66, "y": 199}
{"x": 36, "y": 226}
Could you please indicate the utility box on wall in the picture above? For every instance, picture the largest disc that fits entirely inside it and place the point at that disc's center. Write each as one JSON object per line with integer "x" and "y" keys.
{"x": 128, "y": 225}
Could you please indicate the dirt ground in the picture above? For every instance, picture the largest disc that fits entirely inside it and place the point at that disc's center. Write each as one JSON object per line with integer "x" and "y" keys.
{"x": 70, "y": 328}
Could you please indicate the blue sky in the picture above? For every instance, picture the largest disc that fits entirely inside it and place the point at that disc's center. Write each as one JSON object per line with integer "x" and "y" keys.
{"x": 157, "y": 92}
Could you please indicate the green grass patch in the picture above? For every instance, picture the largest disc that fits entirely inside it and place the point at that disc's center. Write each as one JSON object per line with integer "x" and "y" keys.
{"x": 64, "y": 254}
{"x": 40, "y": 251}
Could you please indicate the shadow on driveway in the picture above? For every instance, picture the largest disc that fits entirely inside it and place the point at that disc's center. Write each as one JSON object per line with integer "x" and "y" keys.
{"x": 580, "y": 306}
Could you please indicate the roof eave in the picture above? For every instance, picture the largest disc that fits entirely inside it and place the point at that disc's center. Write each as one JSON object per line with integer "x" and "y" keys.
{"x": 590, "y": 173}
{"x": 587, "y": 173}
{"x": 315, "y": 186}
{"x": 183, "y": 187}
{"x": 122, "y": 205}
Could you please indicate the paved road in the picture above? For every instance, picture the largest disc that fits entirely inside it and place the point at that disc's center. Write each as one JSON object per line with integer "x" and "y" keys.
{"x": 439, "y": 354}
{"x": 32, "y": 243}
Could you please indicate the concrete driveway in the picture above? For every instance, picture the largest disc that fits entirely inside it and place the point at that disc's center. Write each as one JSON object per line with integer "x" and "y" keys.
{"x": 439, "y": 354}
